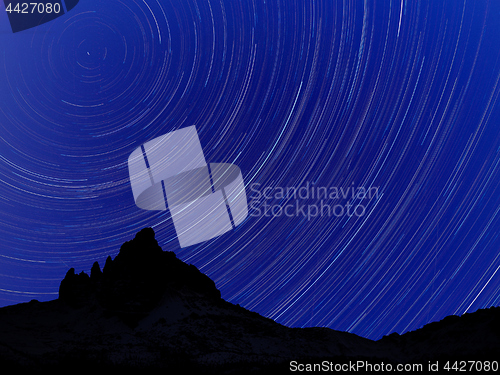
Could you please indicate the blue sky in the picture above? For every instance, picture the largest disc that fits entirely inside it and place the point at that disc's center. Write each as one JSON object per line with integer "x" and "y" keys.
{"x": 401, "y": 96}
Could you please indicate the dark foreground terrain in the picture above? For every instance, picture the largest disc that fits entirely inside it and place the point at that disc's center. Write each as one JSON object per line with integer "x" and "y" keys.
{"x": 147, "y": 310}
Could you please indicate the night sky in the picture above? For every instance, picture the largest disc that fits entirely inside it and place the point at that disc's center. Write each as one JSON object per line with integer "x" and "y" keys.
{"x": 398, "y": 96}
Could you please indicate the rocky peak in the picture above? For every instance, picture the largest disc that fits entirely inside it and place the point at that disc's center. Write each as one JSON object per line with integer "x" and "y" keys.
{"x": 136, "y": 279}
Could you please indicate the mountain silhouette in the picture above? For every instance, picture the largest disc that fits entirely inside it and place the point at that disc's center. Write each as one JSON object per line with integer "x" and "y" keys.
{"x": 148, "y": 310}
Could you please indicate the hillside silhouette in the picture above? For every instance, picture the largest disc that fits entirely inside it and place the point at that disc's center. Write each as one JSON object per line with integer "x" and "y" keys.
{"x": 148, "y": 310}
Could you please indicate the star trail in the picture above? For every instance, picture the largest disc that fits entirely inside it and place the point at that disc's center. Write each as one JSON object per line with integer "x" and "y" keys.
{"x": 401, "y": 96}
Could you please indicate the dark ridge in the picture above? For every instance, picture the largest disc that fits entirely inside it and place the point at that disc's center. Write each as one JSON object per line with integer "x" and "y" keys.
{"x": 148, "y": 310}
{"x": 135, "y": 281}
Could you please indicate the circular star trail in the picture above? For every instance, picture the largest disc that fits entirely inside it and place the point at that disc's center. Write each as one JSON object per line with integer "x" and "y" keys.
{"x": 331, "y": 97}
